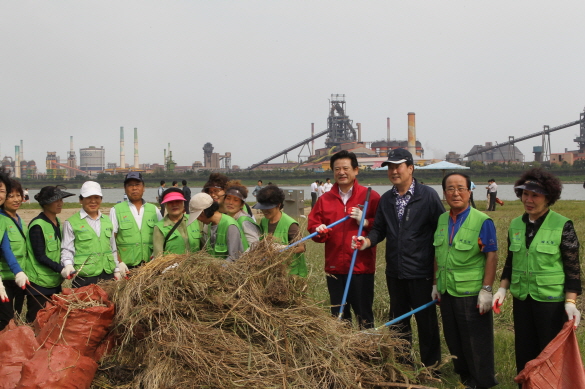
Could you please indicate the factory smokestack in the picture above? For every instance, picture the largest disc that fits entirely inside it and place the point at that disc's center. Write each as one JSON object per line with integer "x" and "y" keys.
{"x": 71, "y": 144}
{"x": 135, "y": 148}
{"x": 17, "y": 161}
{"x": 21, "y": 154}
{"x": 122, "y": 157}
{"x": 411, "y": 135}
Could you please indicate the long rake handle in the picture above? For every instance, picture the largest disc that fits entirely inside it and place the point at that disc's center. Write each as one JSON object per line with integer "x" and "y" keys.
{"x": 354, "y": 256}
{"x": 315, "y": 233}
{"x": 408, "y": 314}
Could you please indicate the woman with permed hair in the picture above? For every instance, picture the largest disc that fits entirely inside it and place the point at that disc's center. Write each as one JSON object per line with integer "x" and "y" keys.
{"x": 284, "y": 228}
{"x": 542, "y": 268}
{"x": 234, "y": 204}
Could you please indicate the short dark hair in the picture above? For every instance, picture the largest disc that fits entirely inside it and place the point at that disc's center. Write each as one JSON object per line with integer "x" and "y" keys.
{"x": 175, "y": 183}
{"x": 14, "y": 186}
{"x": 546, "y": 179}
{"x": 260, "y": 181}
{"x": 5, "y": 179}
{"x": 344, "y": 154}
{"x": 184, "y": 182}
{"x": 215, "y": 179}
{"x": 210, "y": 211}
{"x": 444, "y": 182}
{"x": 271, "y": 194}
{"x": 162, "y": 182}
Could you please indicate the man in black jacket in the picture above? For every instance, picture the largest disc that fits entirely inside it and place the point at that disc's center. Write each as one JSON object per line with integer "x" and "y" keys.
{"x": 407, "y": 218}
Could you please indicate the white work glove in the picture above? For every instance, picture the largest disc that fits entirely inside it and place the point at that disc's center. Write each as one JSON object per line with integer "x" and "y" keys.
{"x": 498, "y": 299}
{"x": 3, "y": 295}
{"x": 117, "y": 276}
{"x": 573, "y": 313}
{"x": 359, "y": 242}
{"x": 435, "y": 294}
{"x": 356, "y": 213}
{"x": 123, "y": 268}
{"x": 323, "y": 231}
{"x": 66, "y": 272}
{"x": 484, "y": 301}
{"x": 21, "y": 280}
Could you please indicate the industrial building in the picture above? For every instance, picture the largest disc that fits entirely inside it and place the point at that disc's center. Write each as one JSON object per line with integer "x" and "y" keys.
{"x": 503, "y": 154}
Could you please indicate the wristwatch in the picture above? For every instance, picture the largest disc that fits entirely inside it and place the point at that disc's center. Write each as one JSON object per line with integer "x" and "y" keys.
{"x": 487, "y": 288}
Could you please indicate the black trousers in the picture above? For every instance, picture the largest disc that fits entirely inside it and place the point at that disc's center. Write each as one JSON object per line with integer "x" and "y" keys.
{"x": 34, "y": 303}
{"x": 470, "y": 337}
{"x": 492, "y": 201}
{"x": 535, "y": 325}
{"x": 79, "y": 281}
{"x": 15, "y": 303}
{"x": 360, "y": 297}
{"x": 162, "y": 210}
{"x": 313, "y": 199}
{"x": 406, "y": 295}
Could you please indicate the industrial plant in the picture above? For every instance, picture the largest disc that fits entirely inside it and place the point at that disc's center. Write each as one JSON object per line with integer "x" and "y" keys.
{"x": 340, "y": 134}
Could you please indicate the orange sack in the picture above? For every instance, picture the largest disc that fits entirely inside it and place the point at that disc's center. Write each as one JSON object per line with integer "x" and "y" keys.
{"x": 80, "y": 318}
{"x": 17, "y": 346}
{"x": 558, "y": 366}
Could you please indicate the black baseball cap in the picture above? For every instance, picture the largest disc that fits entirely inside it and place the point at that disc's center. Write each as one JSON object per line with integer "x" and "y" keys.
{"x": 133, "y": 176}
{"x": 398, "y": 156}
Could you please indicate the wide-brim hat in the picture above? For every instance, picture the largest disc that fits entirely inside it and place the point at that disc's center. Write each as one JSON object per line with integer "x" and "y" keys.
{"x": 265, "y": 205}
{"x": 58, "y": 194}
{"x": 533, "y": 186}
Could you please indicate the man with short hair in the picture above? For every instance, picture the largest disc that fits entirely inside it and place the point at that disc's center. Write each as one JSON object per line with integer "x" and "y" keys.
{"x": 187, "y": 195}
{"x": 314, "y": 193}
{"x": 88, "y": 248}
{"x": 492, "y": 189}
{"x": 159, "y": 196}
{"x": 407, "y": 218}
{"x": 133, "y": 224}
{"x": 346, "y": 197}
{"x": 465, "y": 267}
{"x": 328, "y": 185}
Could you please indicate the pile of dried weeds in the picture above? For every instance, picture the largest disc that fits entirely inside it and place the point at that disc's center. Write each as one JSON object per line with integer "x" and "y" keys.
{"x": 209, "y": 323}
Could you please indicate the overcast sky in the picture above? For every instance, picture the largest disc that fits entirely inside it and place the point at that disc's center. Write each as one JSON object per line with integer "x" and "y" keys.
{"x": 251, "y": 76}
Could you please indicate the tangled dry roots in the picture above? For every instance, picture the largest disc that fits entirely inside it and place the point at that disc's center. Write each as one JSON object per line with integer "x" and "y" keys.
{"x": 207, "y": 323}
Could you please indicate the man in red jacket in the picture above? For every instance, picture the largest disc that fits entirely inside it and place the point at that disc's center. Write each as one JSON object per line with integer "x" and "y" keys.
{"x": 345, "y": 197}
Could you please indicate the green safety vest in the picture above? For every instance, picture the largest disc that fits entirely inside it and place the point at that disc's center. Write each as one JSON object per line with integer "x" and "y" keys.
{"x": 135, "y": 245}
{"x": 461, "y": 265}
{"x": 538, "y": 271}
{"x": 17, "y": 245}
{"x": 37, "y": 272}
{"x": 176, "y": 243}
{"x": 299, "y": 264}
{"x": 220, "y": 249}
{"x": 93, "y": 254}
{"x": 241, "y": 221}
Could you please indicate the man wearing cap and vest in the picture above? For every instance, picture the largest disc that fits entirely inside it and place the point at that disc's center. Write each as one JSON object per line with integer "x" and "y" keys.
{"x": 222, "y": 235}
{"x": 88, "y": 248}
{"x": 133, "y": 224}
{"x": 345, "y": 197}
{"x": 407, "y": 218}
{"x": 465, "y": 268}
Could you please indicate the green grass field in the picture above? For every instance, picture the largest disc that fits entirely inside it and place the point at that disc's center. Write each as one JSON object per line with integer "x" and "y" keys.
{"x": 503, "y": 323}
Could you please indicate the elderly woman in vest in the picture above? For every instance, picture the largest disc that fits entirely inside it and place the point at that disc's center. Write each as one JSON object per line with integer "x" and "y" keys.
{"x": 234, "y": 204}
{"x": 283, "y": 227}
{"x": 542, "y": 269}
{"x": 13, "y": 255}
{"x": 172, "y": 234}
{"x": 44, "y": 250}
{"x": 222, "y": 235}
{"x": 88, "y": 248}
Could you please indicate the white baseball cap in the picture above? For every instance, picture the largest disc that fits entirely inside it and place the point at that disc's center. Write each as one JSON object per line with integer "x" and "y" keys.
{"x": 198, "y": 203}
{"x": 91, "y": 188}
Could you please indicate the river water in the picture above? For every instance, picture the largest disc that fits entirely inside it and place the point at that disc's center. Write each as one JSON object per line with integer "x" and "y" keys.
{"x": 505, "y": 192}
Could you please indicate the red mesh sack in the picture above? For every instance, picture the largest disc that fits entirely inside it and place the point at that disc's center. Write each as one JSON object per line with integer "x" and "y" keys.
{"x": 558, "y": 366}
{"x": 58, "y": 367}
{"x": 79, "y": 318}
{"x": 17, "y": 345}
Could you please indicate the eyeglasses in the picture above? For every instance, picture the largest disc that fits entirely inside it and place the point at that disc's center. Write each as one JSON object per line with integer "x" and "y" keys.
{"x": 453, "y": 190}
